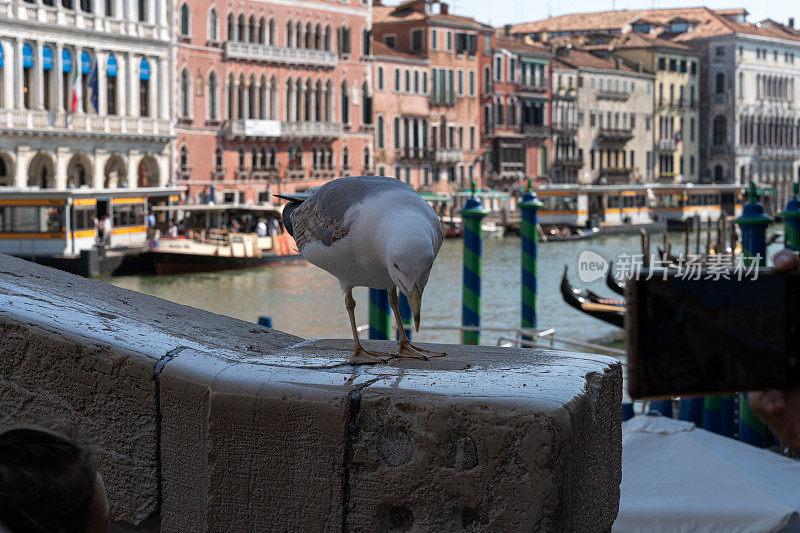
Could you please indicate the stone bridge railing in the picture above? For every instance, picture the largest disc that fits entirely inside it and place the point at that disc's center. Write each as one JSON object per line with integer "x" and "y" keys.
{"x": 207, "y": 423}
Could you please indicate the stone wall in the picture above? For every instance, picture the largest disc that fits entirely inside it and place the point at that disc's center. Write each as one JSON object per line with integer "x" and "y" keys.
{"x": 206, "y": 423}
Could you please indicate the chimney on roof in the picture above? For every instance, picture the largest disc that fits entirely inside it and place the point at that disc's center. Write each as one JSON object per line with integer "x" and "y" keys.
{"x": 507, "y": 30}
{"x": 791, "y": 22}
{"x": 444, "y": 8}
{"x": 619, "y": 63}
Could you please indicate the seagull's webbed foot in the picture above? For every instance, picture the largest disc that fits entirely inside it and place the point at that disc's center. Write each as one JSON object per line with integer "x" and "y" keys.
{"x": 407, "y": 350}
{"x": 363, "y": 357}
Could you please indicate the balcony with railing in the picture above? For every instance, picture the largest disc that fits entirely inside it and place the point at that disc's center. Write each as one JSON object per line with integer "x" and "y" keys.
{"x": 616, "y": 172}
{"x": 535, "y": 130}
{"x": 259, "y": 129}
{"x": 667, "y": 145}
{"x": 447, "y": 155}
{"x": 619, "y": 96}
{"x": 779, "y": 153}
{"x": 488, "y": 88}
{"x": 720, "y": 151}
{"x": 615, "y": 135}
{"x": 442, "y": 97}
{"x": 720, "y": 99}
{"x": 74, "y": 18}
{"x": 565, "y": 93}
{"x": 567, "y": 160}
{"x": 413, "y": 153}
{"x": 532, "y": 85}
{"x": 25, "y": 121}
{"x": 677, "y": 105}
{"x": 565, "y": 128}
{"x": 280, "y": 54}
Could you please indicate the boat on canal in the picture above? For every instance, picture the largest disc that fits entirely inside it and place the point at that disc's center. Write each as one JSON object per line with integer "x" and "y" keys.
{"x": 207, "y": 238}
{"x": 82, "y": 230}
{"x": 610, "y": 310}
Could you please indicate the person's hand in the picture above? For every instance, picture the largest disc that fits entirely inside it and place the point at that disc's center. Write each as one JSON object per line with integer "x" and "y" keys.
{"x": 780, "y": 410}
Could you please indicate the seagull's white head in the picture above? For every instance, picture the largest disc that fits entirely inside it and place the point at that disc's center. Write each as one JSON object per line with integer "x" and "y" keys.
{"x": 409, "y": 261}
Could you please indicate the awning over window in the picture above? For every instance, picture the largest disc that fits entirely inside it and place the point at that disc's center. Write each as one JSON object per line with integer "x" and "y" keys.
{"x": 47, "y": 58}
{"x": 86, "y": 63}
{"x": 27, "y": 56}
{"x": 111, "y": 67}
{"x": 66, "y": 60}
{"x": 144, "y": 70}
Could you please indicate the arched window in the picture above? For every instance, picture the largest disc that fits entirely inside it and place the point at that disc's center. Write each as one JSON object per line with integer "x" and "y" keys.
{"x": 309, "y": 36}
{"x": 273, "y": 157}
{"x": 262, "y": 31}
{"x": 144, "y": 88}
{"x": 397, "y": 80}
{"x": 407, "y": 75}
{"x": 219, "y": 166}
{"x": 381, "y": 134}
{"x": 719, "y": 173}
{"x": 47, "y": 77}
{"x": 252, "y": 30}
{"x": 366, "y": 104}
{"x": 720, "y": 83}
{"x": 111, "y": 85}
{"x": 367, "y": 159}
{"x": 719, "y": 131}
{"x": 213, "y": 97}
{"x": 255, "y": 160}
{"x": 345, "y": 104}
{"x": 345, "y": 158}
{"x": 379, "y": 76}
{"x": 27, "y": 76}
{"x": 86, "y": 72}
{"x": 184, "y": 160}
{"x": 241, "y": 160}
{"x": 66, "y": 78}
{"x": 213, "y": 30}
{"x": 271, "y": 35}
{"x": 231, "y": 27}
{"x": 185, "y": 26}
{"x": 396, "y": 133}
{"x": 241, "y": 34}
{"x": 327, "y": 38}
{"x": 416, "y": 81}
{"x": 185, "y": 94}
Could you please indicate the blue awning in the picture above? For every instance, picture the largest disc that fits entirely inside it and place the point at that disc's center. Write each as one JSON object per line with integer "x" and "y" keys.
{"x": 111, "y": 67}
{"x": 66, "y": 60}
{"x": 27, "y": 56}
{"x": 86, "y": 63}
{"x": 144, "y": 70}
{"x": 47, "y": 58}
{"x": 2, "y": 57}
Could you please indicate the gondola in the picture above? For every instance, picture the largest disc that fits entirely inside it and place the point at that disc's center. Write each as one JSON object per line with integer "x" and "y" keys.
{"x": 612, "y": 283}
{"x": 606, "y": 309}
{"x": 577, "y": 234}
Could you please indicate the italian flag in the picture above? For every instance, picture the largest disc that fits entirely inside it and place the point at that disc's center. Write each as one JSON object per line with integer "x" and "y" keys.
{"x": 76, "y": 89}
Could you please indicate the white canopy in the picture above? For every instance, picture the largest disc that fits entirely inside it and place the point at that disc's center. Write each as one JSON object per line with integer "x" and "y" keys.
{"x": 676, "y": 477}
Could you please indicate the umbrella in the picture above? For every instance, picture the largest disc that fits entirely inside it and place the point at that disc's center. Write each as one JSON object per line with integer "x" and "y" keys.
{"x": 676, "y": 477}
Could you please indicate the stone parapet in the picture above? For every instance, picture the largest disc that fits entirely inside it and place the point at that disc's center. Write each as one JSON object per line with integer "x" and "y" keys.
{"x": 207, "y": 423}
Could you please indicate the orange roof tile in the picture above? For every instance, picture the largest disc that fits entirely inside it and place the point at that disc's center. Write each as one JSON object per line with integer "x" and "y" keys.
{"x": 382, "y": 50}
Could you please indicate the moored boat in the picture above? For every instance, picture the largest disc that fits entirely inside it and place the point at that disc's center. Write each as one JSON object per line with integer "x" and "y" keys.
{"x": 609, "y": 310}
{"x": 221, "y": 237}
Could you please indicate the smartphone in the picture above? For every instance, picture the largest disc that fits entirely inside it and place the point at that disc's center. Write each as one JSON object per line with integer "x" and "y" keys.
{"x": 712, "y": 335}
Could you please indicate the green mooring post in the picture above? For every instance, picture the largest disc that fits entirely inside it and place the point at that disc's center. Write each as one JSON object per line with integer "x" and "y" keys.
{"x": 380, "y": 315}
{"x": 791, "y": 221}
{"x": 753, "y": 224}
{"x": 472, "y": 215}
{"x": 530, "y": 240}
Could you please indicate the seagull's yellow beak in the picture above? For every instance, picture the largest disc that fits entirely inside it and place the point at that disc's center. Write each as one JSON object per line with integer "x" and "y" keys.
{"x": 416, "y": 302}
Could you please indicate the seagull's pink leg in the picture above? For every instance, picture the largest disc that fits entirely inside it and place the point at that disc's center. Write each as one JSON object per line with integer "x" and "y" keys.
{"x": 360, "y": 355}
{"x": 404, "y": 347}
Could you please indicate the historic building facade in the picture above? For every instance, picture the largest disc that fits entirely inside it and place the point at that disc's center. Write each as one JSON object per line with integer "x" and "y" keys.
{"x": 426, "y": 30}
{"x": 400, "y": 102}
{"x": 272, "y": 97}
{"x": 677, "y": 103}
{"x": 516, "y": 113}
{"x": 615, "y": 116}
{"x": 750, "y": 86}
{"x": 567, "y": 154}
{"x": 85, "y": 93}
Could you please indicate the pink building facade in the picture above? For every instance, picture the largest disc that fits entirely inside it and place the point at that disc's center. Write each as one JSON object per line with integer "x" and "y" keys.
{"x": 272, "y": 98}
{"x": 402, "y": 147}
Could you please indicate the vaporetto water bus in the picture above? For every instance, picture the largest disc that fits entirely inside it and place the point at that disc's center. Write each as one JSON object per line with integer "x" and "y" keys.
{"x": 58, "y": 227}
{"x": 676, "y": 205}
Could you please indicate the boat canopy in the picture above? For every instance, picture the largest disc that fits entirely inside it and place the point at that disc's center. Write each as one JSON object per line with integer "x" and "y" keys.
{"x": 434, "y": 197}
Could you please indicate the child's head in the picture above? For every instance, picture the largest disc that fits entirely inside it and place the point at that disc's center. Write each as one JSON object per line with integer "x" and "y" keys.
{"x": 48, "y": 483}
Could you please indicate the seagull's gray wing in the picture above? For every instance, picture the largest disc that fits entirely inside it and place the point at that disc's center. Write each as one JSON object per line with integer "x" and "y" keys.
{"x": 322, "y": 216}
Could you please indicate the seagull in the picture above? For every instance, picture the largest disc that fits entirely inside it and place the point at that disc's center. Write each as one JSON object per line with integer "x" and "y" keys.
{"x": 369, "y": 231}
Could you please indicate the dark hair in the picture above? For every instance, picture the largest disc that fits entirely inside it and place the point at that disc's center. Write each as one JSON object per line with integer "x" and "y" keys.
{"x": 47, "y": 482}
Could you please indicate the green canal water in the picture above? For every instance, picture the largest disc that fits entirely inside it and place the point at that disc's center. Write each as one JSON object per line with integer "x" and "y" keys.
{"x": 306, "y": 301}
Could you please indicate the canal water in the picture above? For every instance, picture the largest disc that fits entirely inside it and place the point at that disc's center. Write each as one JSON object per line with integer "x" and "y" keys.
{"x": 306, "y": 301}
